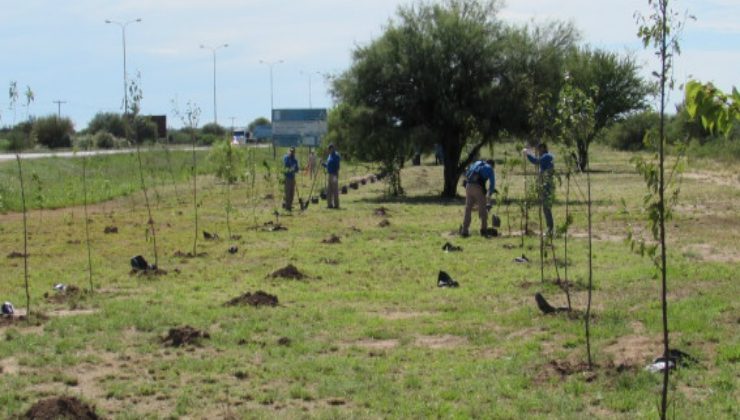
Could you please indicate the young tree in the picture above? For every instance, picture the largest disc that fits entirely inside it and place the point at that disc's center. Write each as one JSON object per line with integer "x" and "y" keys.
{"x": 189, "y": 119}
{"x": 718, "y": 111}
{"x": 134, "y": 107}
{"x": 660, "y": 30}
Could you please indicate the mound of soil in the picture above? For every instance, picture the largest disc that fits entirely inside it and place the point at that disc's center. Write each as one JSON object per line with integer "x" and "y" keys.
{"x": 61, "y": 408}
{"x": 344, "y": 189}
{"x": 384, "y": 223}
{"x": 288, "y": 272}
{"x": 284, "y": 341}
{"x": 333, "y": 239}
{"x": 274, "y": 227}
{"x": 208, "y": 236}
{"x": 70, "y": 292}
{"x": 16, "y": 254}
{"x": 259, "y": 298}
{"x": 110, "y": 229}
{"x": 363, "y": 181}
{"x": 182, "y": 336}
{"x": 381, "y": 211}
{"x": 354, "y": 185}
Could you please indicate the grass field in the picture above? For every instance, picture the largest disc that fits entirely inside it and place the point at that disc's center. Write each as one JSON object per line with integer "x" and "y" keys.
{"x": 368, "y": 334}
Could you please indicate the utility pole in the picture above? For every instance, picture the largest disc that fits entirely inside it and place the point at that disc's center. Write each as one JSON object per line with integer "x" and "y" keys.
{"x": 59, "y": 107}
{"x": 213, "y": 51}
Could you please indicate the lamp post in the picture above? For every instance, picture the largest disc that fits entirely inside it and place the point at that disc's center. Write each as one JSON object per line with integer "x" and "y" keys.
{"x": 309, "y": 74}
{"x": 272, "y": 97}
{"x": 123, "y": 25}
{"x": 213, "y": 51}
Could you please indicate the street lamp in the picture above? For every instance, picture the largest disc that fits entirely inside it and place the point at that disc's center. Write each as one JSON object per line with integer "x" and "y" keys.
{"x": 123, "y": 25}
{"x": 272, "y": 103}
{"x": 213, "y": 50}
{"x": 309, "y": 74}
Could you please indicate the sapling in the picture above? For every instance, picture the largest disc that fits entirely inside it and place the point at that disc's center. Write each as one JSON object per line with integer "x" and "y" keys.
{"x": 189, "y": 118}
{"x": 134, "y": 106}
{"x": 87, "y": 222}
{"x": 13, "y": 97}
{"x": 661, "y": 30}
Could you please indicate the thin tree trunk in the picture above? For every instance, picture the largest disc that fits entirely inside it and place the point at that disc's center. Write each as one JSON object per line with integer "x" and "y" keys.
{"x": 565, "y": 235}
{"x": 25, "y": 240}
{"x": 87, "y": 223}
{"x": 661, "y": 210}
{"x": 590, "y": 273}
{"x": 195, "y": 198}
{"x": 150, "y": 222}
{"x": 541, "y": 191}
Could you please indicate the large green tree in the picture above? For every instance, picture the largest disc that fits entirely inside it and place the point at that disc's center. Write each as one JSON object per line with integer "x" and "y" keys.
{"x": 614, "y": 85}
{"x": 449, "y": 74}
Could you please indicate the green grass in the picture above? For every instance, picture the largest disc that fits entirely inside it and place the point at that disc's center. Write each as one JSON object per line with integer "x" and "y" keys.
{"x": 370, "y": 333}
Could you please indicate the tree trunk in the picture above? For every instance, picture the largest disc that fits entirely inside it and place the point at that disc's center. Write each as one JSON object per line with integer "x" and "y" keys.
{"x": 583, "y": 154}
{"x": 452, "y": 172}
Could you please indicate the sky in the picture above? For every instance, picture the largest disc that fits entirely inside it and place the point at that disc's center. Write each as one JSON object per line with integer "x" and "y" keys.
{"x": 64, "y": 51}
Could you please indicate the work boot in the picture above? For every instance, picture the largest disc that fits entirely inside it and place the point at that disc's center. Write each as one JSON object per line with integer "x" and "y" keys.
{"x": 463, "y": 233}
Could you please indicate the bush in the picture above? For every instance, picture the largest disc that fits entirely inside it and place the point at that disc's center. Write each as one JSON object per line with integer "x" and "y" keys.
{"x": 629, "y": 134}
{"x": 228, "y": 161}
{"x": 144, "y": 130}
{"x": 104, "y": 140}
{"x": 83, "y": 142}
{"x": 213, "y": 129}
{"x": 107, "y": 121}
{"x": 53, "y": 132}
{"x": 18, "y": 138}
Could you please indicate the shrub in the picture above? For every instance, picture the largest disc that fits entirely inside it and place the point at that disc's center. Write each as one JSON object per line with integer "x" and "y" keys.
{"x": 53, "y": 132}
{"x": 104, "y": 140}
{"x": 19, "y": 137}
{"x": 228, "y": 161}
{"x": 213, "y": 129}
{"x": 107, "y": 121}
{"x": 144, "y": 130}
{"x": 84, "y": 142}
{"x": 629, "y": 134}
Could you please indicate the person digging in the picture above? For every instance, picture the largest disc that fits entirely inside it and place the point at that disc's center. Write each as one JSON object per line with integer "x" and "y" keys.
{"x": 291, "y": 168}
{"x": 475, "y": 195}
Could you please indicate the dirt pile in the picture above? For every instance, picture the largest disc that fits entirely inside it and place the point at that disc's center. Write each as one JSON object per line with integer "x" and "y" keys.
{"x": 274, "y": 227}
{"x": 384, "y": 223}
{"x": 208, "y": 236}
{"x": 110, "y": 229}
{"x": 259, "y": 298}
{"x": 61, "y": 408}
{"x": 333, "y": 239}
{"x": 67, "y": 293}
{"x": 381, "y": 211}
{"x": 182, "y": 336}
{"x": 288, "y": 272}
{"x": 16, "y": 254}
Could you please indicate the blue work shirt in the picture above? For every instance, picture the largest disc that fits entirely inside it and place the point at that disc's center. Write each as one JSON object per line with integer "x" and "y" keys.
{"x": 546, "y": 161}
{"x": 481, "y": 171}
{"x": 291, "y": 166}
{"x": 332, "y": 163}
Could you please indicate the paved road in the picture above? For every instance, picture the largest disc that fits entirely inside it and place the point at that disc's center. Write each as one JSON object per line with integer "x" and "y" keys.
{"x": 67, "y": 154}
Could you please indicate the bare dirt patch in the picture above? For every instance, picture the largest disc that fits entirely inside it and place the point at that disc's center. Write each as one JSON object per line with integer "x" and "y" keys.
{"x": 397, "y": 315}
{"x": 110, "y": 229}
{"x": 440, "y": 341}
{"x": 182, "y": 336}
{"x": 288, "y": 272}
{"x": 61, "y": 407}
{"x": 728, "y": 180}
{"x": 16, "y": 254}
{"x": 384, "y": 223}
{"x": 634, "y": 350}
{"x": 9, "y": 366}
{"x": 259, "y": 298}
{"x": 708, "y": 252}
{"x": 376, "y": 344}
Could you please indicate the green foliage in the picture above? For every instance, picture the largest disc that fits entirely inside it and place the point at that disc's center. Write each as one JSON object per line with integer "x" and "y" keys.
{"x": 717, "y": 111}
{"x": 213, "y": 129}
{"x": 104, "y": 140}
{"x": 19, "y": 137}
{"x": 53, "y": 132}
{"x": 258, "y": 121}
{"x": 144, "y": 129}
{"x": 228, "y": 161}
{"x": 446, "y": 73}
{"x": 632, "y": 131}
{"x": 110, "y": 122}
{"x": 613, "y": 84}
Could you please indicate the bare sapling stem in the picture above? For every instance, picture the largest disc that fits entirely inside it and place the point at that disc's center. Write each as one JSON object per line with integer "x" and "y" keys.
{"x": 25, "y": 239}
{"x": 87, "y": 223}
